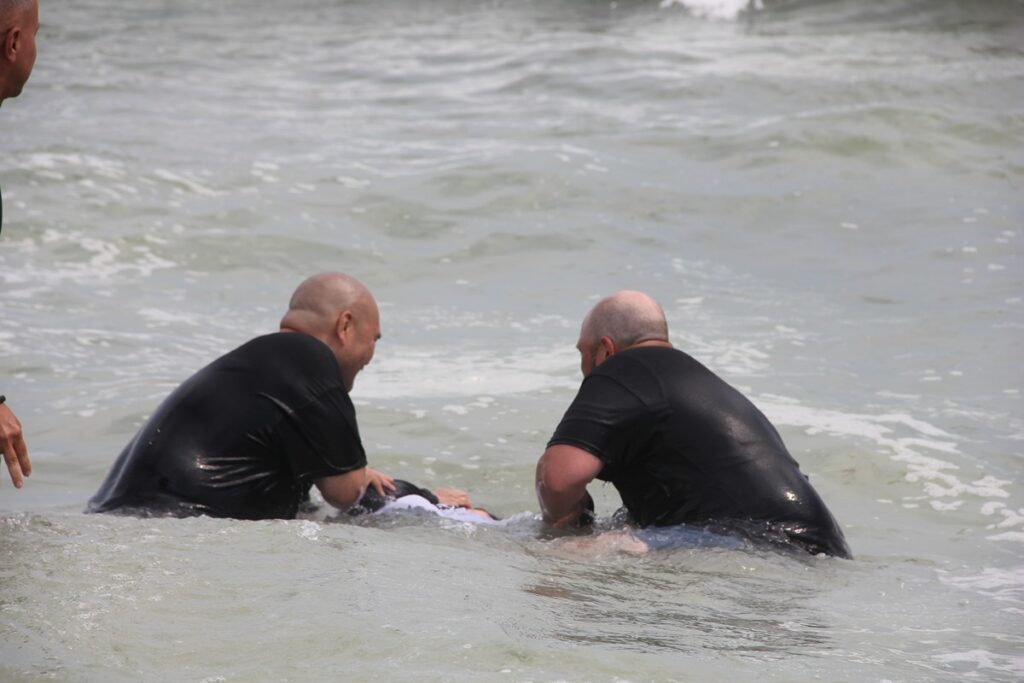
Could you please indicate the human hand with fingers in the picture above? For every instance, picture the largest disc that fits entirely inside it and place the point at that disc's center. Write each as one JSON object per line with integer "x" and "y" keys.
{"x": 12, "y": 445}
{"x": 379, "y": 482}
{"x": 453, "y": 498}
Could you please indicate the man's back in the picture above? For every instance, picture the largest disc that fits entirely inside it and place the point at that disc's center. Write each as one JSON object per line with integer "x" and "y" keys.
{"x": 681, "y": 445}
{"x": 244, "y": 437}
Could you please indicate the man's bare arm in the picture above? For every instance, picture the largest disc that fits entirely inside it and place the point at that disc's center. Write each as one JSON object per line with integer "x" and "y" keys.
{"x": 563, "y": 473}
{"x": 343, "y": 490}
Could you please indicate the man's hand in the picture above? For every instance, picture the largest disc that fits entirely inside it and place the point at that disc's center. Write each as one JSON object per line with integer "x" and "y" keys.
{"x": 381, "y": 483}
{"x": 12, "y": 445}
{"x": 452, "y": 498}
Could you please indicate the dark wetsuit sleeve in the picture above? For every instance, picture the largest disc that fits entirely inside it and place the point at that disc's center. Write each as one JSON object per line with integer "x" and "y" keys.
{"x": 322, "y": 438}
{"x": 603, "y": 420}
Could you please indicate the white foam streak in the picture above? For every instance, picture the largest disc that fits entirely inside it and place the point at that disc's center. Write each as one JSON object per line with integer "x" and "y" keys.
{"x": 45, "y": 164}
{"x": 983, "y": 659}
{"x": 439, "y": 373}
{"x": 714, "y": 9}
{"x": 107, "y": 261}
{"x": 188, "y": 183}
{"x": 935, "y": 475}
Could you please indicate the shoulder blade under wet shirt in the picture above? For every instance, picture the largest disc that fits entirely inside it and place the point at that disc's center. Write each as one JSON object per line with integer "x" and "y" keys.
{"x": 244, "y": 437}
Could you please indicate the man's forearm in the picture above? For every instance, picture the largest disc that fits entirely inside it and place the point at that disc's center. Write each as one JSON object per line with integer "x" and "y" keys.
{"x": 563, "y": 473}
{"x": 343, "y": 490}
{"x": 563, "y": 508}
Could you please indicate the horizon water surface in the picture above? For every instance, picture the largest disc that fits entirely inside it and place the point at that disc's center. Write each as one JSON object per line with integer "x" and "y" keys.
{"x": 824, "y": 195}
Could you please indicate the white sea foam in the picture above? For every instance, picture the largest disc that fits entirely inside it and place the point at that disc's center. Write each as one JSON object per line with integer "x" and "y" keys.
{"x": 437, "y": 373}
{"x": 937, "y": 477}
{"x": 983, "y": 660}
{"x": 157, "y": 315}
{"x": 51, "y": 165}
{"x": 714, "y": 9}
{"x": 186, "y": 182}
{"x": 107, "y": 260}
{"x": 1011, "y": 520}
{"x": 309, "y": 530}
{"x": 729, "y": 357}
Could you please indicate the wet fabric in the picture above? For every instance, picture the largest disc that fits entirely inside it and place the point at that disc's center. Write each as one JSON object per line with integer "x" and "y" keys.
{"x": 684, "y": 536}
{"x": 416, "y": 504}
{"x": 244, "y": 437}
{"x": 373, "y": 501}
{"x": 681, "y": 446}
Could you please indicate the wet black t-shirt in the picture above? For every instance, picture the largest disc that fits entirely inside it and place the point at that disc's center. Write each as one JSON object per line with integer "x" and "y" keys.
{"x": 244, "y": 437}
{"x": 682, "y": 446}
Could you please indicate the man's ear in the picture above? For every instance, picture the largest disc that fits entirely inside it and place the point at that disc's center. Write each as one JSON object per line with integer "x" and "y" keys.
{"x": 11, "y": 44}
{"x": 343, "y": 327}
{"x": 608, "y": 345}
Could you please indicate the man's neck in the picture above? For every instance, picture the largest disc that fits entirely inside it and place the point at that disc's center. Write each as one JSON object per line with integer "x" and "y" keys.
{"x": 651, "y": 342}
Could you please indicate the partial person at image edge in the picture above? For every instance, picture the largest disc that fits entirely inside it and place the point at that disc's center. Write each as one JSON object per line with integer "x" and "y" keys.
{"x": 679, "y": 444}
{"x": 19, "y": 23}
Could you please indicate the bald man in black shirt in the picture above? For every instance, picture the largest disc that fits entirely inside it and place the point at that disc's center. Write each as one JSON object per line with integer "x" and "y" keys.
{"x": 679, "y": 444}
{"x": 248, "y": 435}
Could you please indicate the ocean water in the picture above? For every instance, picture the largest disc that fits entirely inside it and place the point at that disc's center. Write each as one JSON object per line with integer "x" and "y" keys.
{"x": 824, "y": 195}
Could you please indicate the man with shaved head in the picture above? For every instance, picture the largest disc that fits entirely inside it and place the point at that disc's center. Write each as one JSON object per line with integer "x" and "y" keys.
{"x": 248, "y": 435}
{"x": 679, "y": 444}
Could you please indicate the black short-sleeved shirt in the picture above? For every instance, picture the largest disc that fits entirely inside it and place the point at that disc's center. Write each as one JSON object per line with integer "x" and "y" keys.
{"x": 682, "y": 446}
{"x": 244, "y": 437}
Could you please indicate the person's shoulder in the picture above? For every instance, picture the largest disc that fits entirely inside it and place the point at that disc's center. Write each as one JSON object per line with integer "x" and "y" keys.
{"x": 654, "y": 365}
{"x": 286, "y": 340}
{"x": 656, "y": 358}
{"x": 285, "y": 345}
{"x": 648, "y": 357}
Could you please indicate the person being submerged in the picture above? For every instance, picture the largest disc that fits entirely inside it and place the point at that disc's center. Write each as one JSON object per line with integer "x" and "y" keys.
{"x": 405, "y": 497}
{"x": 250, "y": 434}
{"x": 680, "y": 445}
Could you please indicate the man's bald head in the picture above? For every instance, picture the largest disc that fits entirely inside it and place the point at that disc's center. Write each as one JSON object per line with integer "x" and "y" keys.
{"x": 319, "y": 299}
{"x": 627, "y": 318}
{"x": 9, "y": 8}
{"x": 618, "y": 322}
{"x": 340, "y": 311}
{"x": 19, "y": 22}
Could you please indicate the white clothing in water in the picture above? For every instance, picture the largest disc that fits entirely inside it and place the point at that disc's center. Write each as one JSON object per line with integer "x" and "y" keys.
{"x": 414, "y": 502}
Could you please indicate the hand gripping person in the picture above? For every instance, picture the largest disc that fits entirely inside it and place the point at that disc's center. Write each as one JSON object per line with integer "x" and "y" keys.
{"x": 19, "y": 22}
{"x": 248, "y": 435}
{"x": 679, "y": 444}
